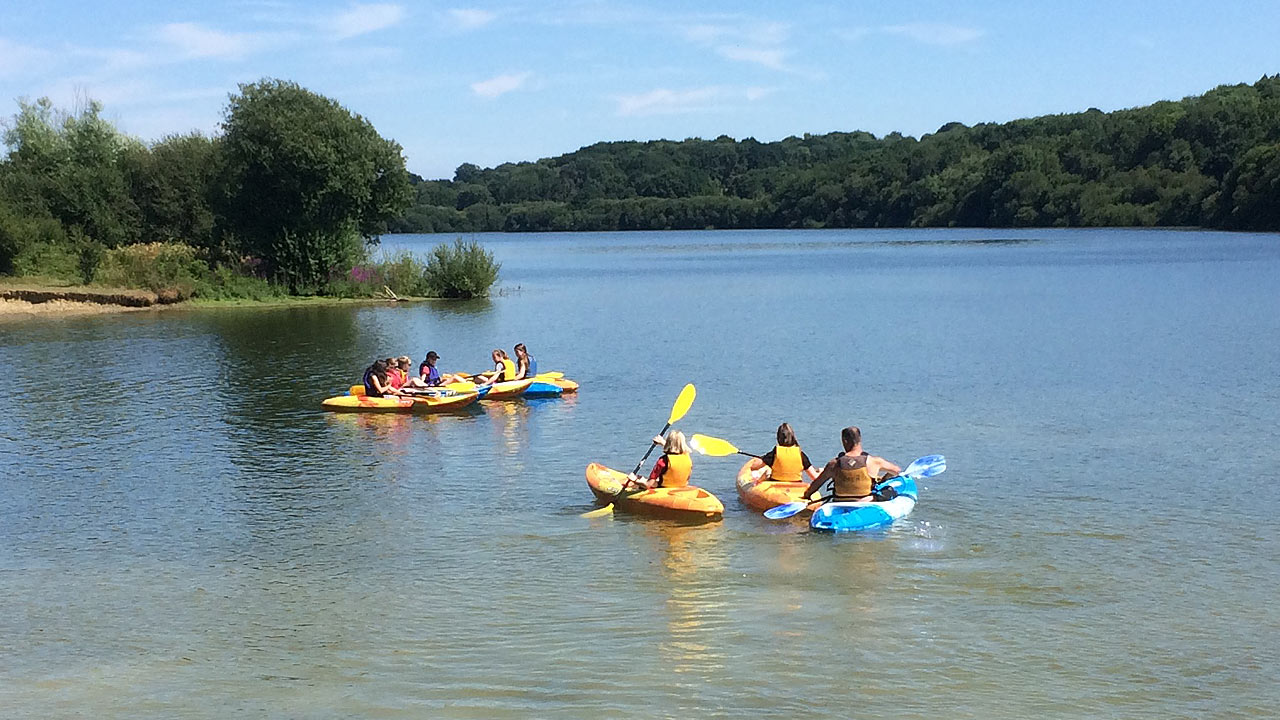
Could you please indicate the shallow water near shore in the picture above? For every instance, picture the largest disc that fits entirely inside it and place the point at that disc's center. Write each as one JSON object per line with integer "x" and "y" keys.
{"x": 184, "y": 533}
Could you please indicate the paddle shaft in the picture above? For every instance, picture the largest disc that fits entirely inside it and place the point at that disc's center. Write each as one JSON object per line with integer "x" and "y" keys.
{"x": 649, "y": 452}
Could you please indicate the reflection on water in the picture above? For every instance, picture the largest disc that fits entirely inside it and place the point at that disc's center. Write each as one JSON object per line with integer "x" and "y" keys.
{"x": 696, "y": 604}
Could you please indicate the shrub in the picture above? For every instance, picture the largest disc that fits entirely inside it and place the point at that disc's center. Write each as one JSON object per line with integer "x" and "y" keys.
{"x": 226, "y": 283}
{"x": 405, "y": 274}
{"x": 460, "y": 270}
{"x": 172, "y": 270}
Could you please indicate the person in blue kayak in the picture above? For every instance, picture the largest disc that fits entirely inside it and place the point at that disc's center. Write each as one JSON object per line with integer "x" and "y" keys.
{"x": 673, "y": 469}
{"x": 526, "y": 366}
{"x": 503, "y": 369}
{"x": 786, "y": 461}
{"x": 853, "y": 473}
{"x": 376, "y": 383}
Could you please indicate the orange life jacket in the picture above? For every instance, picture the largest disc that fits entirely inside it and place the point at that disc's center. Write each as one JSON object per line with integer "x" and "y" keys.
{"x": 679, "y": 468}
{"x": 787, "y": 464}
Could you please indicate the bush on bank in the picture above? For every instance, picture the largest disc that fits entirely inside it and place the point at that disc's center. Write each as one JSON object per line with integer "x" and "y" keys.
{"x": 461, "y": 270}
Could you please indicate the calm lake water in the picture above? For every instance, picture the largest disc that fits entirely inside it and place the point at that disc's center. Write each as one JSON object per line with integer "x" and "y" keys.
{"x": 184, "y": 533}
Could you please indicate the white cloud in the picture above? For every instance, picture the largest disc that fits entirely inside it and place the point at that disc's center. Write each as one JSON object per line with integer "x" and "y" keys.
{"x": 471, "y": 18}
{"x": 16, "y": 59}
{"x": 935, "y": 33}
{"x": 194, "y": 41}
{"x": 364, "y": 19}
{"x": 761, "y": 43}
{"x": 500, "y": 85}
{"x": 663, "y": 101}
{"x": 768, "y": 57}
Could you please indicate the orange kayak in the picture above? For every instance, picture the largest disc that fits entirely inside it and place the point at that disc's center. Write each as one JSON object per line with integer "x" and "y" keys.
{"x": 566, "y": 385}
{"x": 682, "y": 503}
{"x": 364, "y": 403}
{"x": 444, "y": 402}
{"x": 758, "y": 492}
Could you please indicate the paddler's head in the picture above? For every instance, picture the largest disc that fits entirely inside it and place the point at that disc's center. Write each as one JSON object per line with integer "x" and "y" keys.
{"x": 850, "y": 437}
{"x": 786, "y": 436}
{"x": 675, "y": 444}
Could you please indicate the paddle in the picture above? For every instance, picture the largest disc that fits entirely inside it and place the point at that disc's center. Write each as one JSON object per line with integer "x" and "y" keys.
{"x": 920, "y": 468}
{"x": 683, "y": 402}
{"x": 715, "y": 447}
{"x": 677, "y": 411}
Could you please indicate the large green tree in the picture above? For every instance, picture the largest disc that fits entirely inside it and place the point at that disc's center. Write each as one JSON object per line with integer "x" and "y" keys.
{"x": 304, "y": 181}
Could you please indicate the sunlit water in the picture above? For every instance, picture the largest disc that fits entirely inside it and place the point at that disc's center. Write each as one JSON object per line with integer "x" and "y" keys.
{"x": 184, "y": 533}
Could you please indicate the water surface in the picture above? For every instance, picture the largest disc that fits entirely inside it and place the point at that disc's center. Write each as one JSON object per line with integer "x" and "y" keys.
{"x": 184, "y": 533}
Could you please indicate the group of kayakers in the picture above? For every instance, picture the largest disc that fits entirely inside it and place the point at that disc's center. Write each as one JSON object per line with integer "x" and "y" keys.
{"x": 390, "y": 376}
{"x": 853, "y": 473}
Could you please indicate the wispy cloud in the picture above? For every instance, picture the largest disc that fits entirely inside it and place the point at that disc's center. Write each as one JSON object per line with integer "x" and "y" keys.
{"x": 940, "y": 34}
{"x": 364, "y": 19}
{"x": 471, "y": 18}
{"x": 16, "y": 59}
{"x": 761, "y": 43}
{"x": 195, "y": 41}
{"x": 664, "y": 101}
{"x": 500, "y": 85}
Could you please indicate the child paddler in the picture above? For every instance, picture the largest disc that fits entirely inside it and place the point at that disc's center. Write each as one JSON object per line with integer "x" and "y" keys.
{"x": 673, "y": 469}
{"x": 786, "y": 461}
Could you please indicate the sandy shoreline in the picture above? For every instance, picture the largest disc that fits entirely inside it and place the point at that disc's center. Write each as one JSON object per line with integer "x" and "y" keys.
{"x": 10, "y": 308}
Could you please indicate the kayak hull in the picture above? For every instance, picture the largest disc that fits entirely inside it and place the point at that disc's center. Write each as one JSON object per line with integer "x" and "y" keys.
{"x": 364, "y": 403}
{"x": 566, "y": 385}
{"x": 506, "y": 390}
{"x": 855, "y": 516}
{"x": 686, "y": 503}
{"x": 543, "y": 389}
{"x": 452, "y": 400}
{"x": 759, "y": 493}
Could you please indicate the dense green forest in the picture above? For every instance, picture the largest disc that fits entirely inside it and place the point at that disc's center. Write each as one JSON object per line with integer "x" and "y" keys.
{"x": 1211, "y": 160}
{"x": 285, "y": 200}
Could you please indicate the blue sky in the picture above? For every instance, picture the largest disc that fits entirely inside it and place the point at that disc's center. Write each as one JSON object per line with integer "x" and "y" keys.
{"x": 510, "y": 80}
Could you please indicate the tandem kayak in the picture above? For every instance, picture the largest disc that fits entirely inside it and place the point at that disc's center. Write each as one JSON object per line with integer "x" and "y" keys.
{"x": 852, "y": 516}
{"x": 441, "y": 401}
{"x": 759, "y": 493}
{"x": 686, "y": 503}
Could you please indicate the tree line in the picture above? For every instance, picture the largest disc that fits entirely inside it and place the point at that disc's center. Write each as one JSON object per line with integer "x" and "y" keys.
{"x": 290, "y": 192}
{"x": 1211, "y": 160}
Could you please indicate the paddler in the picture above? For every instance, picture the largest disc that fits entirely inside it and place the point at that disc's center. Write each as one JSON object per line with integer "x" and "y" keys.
{"x": 673, "y": 469}
{"x": 375, "y": 380}
{"x": 429, "y": 376}
{"x": 526, "y": 366}
{"x": 503, "y": 369}
{"x": 853, "y": 472}
{"x": 786, "y": 461}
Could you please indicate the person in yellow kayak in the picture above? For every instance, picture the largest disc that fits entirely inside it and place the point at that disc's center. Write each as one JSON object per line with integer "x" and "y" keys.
{"x": 673, "y": 469}
{"x": 853, "y": 473}
{"x": 526, "y": 366}
{"x": 429, "y": 376}
{"x": 375, "y": 380}
{"x": 786, "y": 461}
{"x": 503, "y": 369}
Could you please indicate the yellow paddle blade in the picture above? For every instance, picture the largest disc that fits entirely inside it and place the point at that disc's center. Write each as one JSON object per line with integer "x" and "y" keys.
{"x": 713, "y": 446}
{"x": 461, "y": 386}
{"x": 682, "y": 403}
{"x": 356, "y": 390}
{"x": 606, "y": 510}
{"x": 549, "y": 375}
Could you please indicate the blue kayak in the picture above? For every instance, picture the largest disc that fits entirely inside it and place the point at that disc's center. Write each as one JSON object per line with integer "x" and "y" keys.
{"x": 542, "y": 389}
{"x": 853, "y": 516}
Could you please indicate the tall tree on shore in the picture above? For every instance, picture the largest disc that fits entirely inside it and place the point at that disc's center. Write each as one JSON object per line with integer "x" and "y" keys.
{"x": 304, "y": 182}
